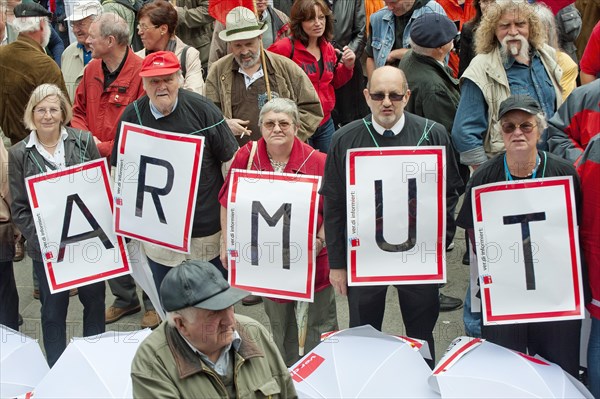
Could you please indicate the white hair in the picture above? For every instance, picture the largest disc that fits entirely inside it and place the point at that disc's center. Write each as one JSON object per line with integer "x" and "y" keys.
{"x": 29, "y": 24}
{"x": 186, "y": 313}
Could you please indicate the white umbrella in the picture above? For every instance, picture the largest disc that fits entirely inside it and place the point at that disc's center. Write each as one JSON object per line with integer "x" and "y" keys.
{"x": 362, "y": 362}
{"x": 93, "y": 367}
{"x": 475, "y": 368}
{"x": 22, "y": 364}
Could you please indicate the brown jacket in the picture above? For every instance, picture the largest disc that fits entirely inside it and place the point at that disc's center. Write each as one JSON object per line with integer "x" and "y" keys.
{"x": 23, "y": 66}
{"x": 291, "y": 82}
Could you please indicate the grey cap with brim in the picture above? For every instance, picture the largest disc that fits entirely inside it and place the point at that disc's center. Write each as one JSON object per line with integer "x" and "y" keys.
{"x": 198, "y": 284}
{"x": 519, "y": 102}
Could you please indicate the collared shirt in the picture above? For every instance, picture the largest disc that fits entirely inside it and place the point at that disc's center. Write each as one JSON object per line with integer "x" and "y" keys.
{"x": 157, "y": 114}
{"x": 58, "y": 158}
{"x": 397, "y": 128}
{"x": 87, "y": 55}
{"x": 110, "y": 77}
{"x": 532, "y": 80}
{"x": 251, "y": 79}
{"x": 222, "y": 363}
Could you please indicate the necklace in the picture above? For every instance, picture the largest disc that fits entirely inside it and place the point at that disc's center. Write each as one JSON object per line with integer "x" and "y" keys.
{"x": 48, "y": 145}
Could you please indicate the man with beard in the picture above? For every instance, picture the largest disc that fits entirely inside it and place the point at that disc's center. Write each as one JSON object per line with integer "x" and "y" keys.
{"x": 24, "y": 66}
{"x": 236, "y": 82}
{"x": 512, "y": 58}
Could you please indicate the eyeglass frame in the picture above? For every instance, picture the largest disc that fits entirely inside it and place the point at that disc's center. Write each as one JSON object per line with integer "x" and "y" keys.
{"x": 516, "y": 126}
{"x": 146, "y": 28}
{"x": 376, "y": 96}
{"x": 277, "y": 123}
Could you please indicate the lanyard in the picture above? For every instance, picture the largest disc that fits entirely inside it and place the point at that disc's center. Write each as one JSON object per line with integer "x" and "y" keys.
{"x": 139, "y": 116}
{"x": 424, "y": 135}
{"x": 534, "y": 172}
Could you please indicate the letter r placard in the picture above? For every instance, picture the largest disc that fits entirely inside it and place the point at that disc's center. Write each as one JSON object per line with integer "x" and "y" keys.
{"x": 396, "y": 201}
{"x": 527, "y": 242}
{"x": 156, "y": 185}
{"x": 72, "y": 211}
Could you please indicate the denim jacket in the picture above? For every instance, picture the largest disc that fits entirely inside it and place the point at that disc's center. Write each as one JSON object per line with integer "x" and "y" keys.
{"x": 383, "y": 30}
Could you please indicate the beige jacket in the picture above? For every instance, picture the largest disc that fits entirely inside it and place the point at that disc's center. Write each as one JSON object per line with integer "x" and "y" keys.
{"x": 193, "y": 80}
{"x": 291, "y": 82}
{"x": 72, "y": 68}
{"x": 487, "y": 72}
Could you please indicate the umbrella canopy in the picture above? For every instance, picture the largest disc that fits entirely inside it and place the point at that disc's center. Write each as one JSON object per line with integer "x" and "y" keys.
{"x": 475, "y": 368}
{"x": 22, "y": 364}
{"x": 362, "y": 362}
{"x": 94, "y": 367}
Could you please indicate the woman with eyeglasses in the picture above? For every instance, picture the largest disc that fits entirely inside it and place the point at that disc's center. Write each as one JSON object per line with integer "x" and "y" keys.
{"x": 280, "y": 151}
{"x": 311, "y": 23}
{"x": 51, "y": 146}
{"x": 521, "y": 122}
{"x": 156, "y": 27}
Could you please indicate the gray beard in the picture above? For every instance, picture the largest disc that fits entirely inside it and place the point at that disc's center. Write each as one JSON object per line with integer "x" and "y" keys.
{"x": 522, "y": 56}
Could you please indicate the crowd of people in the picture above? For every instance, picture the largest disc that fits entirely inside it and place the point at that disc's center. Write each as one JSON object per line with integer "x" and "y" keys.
{"x": 291, "y": 87}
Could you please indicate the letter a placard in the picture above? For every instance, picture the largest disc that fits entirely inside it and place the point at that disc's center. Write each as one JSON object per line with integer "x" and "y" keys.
{"x": 396, "y": 206}
{"x": 528, "y": 251}
{"x": 72, "y": 211}
{"x": 271, "y": 229}
{"x": 156, "y": 185}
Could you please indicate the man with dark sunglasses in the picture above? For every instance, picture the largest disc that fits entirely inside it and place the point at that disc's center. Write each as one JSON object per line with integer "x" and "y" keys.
{"x": 389, "y": 125}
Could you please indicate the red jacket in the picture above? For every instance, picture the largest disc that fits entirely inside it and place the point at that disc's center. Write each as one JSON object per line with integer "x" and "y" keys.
{"x": 99, "y": 110}
{"x": 334, "y": 76}
{"x": 314, "y": 165}
{"x": 589, "y": 230}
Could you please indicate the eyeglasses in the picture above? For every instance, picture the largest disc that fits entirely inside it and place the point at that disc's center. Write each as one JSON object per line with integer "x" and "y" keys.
{"x": 509, "y": 127}
{"x": 391, "y": 96}
{"x": 42, "y": 111}
{"x": 144, "y": 28}
{"x": 283, "y": 125}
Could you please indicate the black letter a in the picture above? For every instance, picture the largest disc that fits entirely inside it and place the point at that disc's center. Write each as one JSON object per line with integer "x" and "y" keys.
{"x": 96, "y": 230}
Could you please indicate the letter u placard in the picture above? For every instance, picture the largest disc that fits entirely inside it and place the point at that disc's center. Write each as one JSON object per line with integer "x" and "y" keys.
{"x": 528, "y": 251}
{"x": 396, "y": 202}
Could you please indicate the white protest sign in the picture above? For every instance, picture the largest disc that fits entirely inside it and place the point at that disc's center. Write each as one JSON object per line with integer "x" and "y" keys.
{"x": 528, "y": 251}
{"x": 72, "y": 211}
{"x": 156, "y": 184}
{"x": 396, "y": 205}
{"x": 271, "y": 229}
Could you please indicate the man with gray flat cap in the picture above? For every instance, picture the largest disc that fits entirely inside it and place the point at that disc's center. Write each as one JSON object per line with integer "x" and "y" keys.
{"x": 205, "y": 350}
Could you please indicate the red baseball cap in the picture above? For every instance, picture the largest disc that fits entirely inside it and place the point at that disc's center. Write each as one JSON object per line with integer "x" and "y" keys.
{"x": 160, "y": 63}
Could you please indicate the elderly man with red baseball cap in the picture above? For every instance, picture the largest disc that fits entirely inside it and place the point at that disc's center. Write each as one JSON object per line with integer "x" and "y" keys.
{"x": 167, "y": 106}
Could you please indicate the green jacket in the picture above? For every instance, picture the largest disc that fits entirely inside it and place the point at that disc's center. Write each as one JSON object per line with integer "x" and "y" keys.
{"x": 291, "y": 82}
{"x": 195, "y": 26}
{"x": 434, "y": 93}
{"x": 166, "y": 367}
{"x": 23, "y": 66}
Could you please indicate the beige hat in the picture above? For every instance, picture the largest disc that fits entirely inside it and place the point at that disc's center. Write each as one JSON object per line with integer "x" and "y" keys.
{"x": 241, "y": 24}
{"x": 85, "y": 9}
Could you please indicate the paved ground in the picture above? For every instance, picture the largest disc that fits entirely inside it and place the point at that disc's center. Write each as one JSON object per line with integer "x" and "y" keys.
{"x": 448, "y": 327}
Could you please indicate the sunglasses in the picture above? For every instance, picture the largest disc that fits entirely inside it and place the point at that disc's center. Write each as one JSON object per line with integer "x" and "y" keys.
{"x": 509, "y": 127}
{"x": 391, "y": 96}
